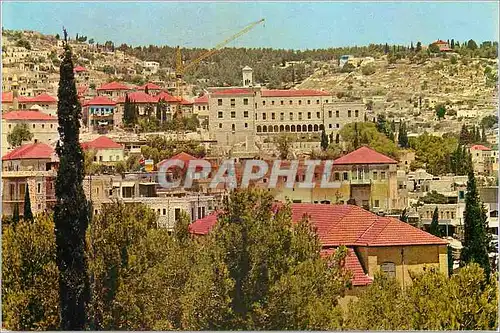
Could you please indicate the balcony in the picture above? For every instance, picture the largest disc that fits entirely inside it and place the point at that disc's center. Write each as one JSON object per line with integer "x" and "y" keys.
{"x": 363, "y": 181}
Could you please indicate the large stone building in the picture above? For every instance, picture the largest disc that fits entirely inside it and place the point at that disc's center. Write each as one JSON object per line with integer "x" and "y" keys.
{"x": 375, "y": 243}
{"x": 250, "y": 114}
{"x": 41, "y": 125}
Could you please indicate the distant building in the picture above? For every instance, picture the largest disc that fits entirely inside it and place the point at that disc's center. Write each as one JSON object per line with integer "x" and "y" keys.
{"x": 106, "y": 150}
{"x": 151, "y": 67}
{"x": 98, "y": 114}
{"x": 113, "y": 90}
{"x": 484, "y": 160}
{"x": 41, "y": 125}
{"x": 443, "y": 46}
{"x": 344, "y": 60}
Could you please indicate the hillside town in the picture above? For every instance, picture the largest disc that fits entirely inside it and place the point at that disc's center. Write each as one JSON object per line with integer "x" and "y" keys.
{"x": 393, "y": 130}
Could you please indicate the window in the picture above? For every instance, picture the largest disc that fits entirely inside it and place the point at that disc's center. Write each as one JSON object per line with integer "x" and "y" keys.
{"x": 219, "y": 114}
{"x": 100, "y": 158}
{"x": 326, "y": 101}
{"x": 272, "y": 102}
{"x": 33, "y": 125}
{"x": 220, "y": 125}
{"x": 452, "y": 215}
{"x": 382, "y": 175}
{"x": 317, "y": 101}
{"x": 309, "y": 115}
{"x": 233, "y": 114}
{"x": 219, "y": 102}
{"x": 337, "y": 113}
{"x": 245, "y": 101}
{"x": 388, "y": 268}
{"x": 233, "y": 127}
{"x": 356, "y": 113}
{"x": 39, "y": 188}
{"x": 263, "y": 116}
{"x": 263, "y": 103}
{"x": 177, "y": 214}
{"x": 245, "y": 114}
{"x": 291, "y": 102}
{"x": 349, "y": 113}
{"x": 300, "y": 102}
{"x": 329, "y": 125}
{"x": 377, "y": 203}
{"x": 281, "y": 102}
{"x": 375, "y": 175}
{"x": 308, "y": 101}
{"x": 273, "y": 116}
{"x": 10, "y": 126}
{"x": 199, "y": 108}
{"x": 282, "y": 116}
{"x": 337, "y": 125}
{"x": 330, "y": 114}
{"x": 337, "y": 176}
{"x": 318, "y": 115}
{"x": 246, "y": 125}
{"x": 233, "y": 102}
{"x": 346, "y": 176}
{"x": 43, "y": 125}
{"x": 291, "y": 115}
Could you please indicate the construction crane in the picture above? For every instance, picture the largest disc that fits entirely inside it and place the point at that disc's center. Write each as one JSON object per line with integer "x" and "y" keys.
{"x": 181, "y": 68}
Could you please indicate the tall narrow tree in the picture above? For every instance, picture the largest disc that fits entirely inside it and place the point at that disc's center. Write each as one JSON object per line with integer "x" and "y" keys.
{"x": 71, "y": 211}
{"x": 484, "y": 139}
{"x": 476, "y": 238}
{"x": 28, "y": 214}
{"x": 435, "y": 223}
{"x": 15, "y": 214}
{"x": 324, "y": 140}
{"x": 356, "y": 136}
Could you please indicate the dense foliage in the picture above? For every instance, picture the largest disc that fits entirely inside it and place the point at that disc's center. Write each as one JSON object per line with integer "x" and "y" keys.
{"x": 433, "y": 152}
{"x": 71, "y": 211}
{"x": 19, "y": 134}
{"x": 355, "y": 135}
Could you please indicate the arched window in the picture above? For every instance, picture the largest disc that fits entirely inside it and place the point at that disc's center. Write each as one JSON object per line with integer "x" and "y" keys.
{"x": 276, "y": 128}
{"x": 259, "y": 129}
{"x": 270, "y": 128}
{"x": 310, "y": 128}
{"x": 292, "y": 128}
{"x": 264, "y": 129}
{"x": 315, "y": 128}
{"x": 304, "y": 128}
{"x": 299, "y": 128}
{"x": 282, "y": 128}
{"x": 321, "y": 127}
{"x": 287, "y": 128}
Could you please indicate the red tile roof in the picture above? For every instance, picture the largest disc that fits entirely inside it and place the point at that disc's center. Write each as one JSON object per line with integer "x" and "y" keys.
{"x": 102, "y": 142}
{"x": 113, "y": 86}
{"x": 151, "y": 86}
{"x": 201, "y": 100}
{"x": 439, "y": 41}
{"x": 166, "y": 97}
{"x": 82, "y": 90}
{"x": 233, "y": 91}
{"x": 294, "y": 93}
{"x": 364, "y": 155}
{"x": 186, "y": 102}
{"x": 348, "y": 225}
{"x": 184, "y": 157}
{"x": 7, "y": 97}
{"x": 203, "y": 226}
{"x": 42, "y": 98}
{"x": 80, "y": 69}
{"x": 100, "y": 100}
{"x": 141, "y": 97}
{"x": 27, "y": 115}
{"x": 479, "y": 147}
{"x": 360, "y": 278}
{"x": 30, "y": 151}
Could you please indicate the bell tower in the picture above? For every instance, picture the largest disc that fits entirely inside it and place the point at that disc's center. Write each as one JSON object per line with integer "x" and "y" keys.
{"x": 247, "y": 77}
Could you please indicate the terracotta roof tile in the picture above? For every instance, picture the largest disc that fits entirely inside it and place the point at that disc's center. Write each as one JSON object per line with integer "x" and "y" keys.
{"x": 42, "y": 98}
{"x": 102, "y": 142}
{"x": 352, "y": 263}
{"x": 30, "y": 151}
{"x": 166, "y": 97}
{"x": 233, "y": 91}
{"x": 479, "y": 147}
{"x": 27, "y": 115}
{"x": 364, "y": 155}
{"x": 141, "y": 97}
{"x": 100, "y": 100}
{"x": 150, "y": 86}
{"x": 79, "y": 69}
{"x": 7, "y": 97}
{"x": 201, "y": 100}
{"x": 294, "y": 93}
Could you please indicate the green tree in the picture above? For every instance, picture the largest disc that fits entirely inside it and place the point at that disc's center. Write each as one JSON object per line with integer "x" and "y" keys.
{"x": 435, "y": 230}
{"x": 484, "y": 139}
{"x": 368, "y": 135}
{"x": 58, "y": 37}
{"x": 283, "y": 143}
{"x": 19, "y": 134}
{"x": 489, "y": 121}
{"x": 434, "y": 197}
{"x": 476, "y": 237}
{"x": 28, "y": 214}
{"x": 403, "y": 136}
{"x": 433, "y": 48}
{"x": 471, "y": 45}
{"x": 440, "y": 110}
{"x": 404, "y": 216}
{"x": 71, "y": 211}
{"x": 129, "y": 112}
{"x": 324, "y": 140}
{"x": 419, "y": 47}
{"x": 15, "y": 214}
{"x": 30, "y": 276}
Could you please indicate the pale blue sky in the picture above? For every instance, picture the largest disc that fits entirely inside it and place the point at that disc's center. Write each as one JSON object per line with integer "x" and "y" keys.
{"x": 297, "y": 25}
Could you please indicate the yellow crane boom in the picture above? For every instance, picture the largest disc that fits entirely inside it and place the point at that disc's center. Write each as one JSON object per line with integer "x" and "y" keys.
{"x": 181, "y": 68}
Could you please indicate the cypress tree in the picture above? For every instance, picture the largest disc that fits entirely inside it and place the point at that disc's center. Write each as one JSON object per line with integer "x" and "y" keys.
{"x": 483, "y": 135}
{"x": 71, "y": 211}
{"x": 356, "y": 136}
{"x": 464, "y": 135}
{"x": 28, "y": 214}
{"x": 476, "y": 238}
{"x": 332, "y": 140}
{"x": 404, "y": 216}
{"x": 477, "y": 137}
{"x": 15, "y": 214}
{"x": 324, "y": 140}
{"x": 435, "y": 223}
{"x": 403, "y": 136}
